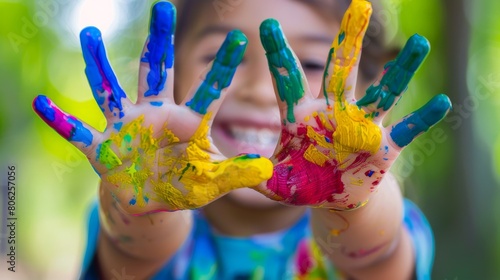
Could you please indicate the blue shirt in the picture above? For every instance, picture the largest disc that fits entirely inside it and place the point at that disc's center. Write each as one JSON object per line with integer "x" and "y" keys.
{"x": 287, "y": 254}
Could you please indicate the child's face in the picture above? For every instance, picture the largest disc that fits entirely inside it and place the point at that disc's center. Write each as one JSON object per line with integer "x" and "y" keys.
{"x": 248, "y": 120}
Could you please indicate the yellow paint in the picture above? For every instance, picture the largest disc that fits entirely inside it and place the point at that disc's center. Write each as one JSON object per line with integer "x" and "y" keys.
{"x": 313, "y": 155}
{"x": 354, "y": 131}
{"x": 189, "y": 179}
{"x": 356, "y": 182}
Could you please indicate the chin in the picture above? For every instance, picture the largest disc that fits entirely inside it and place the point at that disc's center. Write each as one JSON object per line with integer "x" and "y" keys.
{"x": 250, "y": 198}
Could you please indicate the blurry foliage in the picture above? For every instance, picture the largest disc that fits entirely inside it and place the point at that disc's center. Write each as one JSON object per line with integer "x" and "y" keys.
{"x": 56, "y": 183}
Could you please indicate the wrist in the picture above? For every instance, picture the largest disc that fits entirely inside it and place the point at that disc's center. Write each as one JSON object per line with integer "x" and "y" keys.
{"x": 365, "y": 235}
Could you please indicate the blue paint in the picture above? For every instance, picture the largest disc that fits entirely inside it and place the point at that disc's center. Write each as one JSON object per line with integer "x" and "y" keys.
{"x": 99, "y": 72}
{"x": 132, "y": 201}
{"x": 327, "y": 139}
{"x": 398, "y": 74}
{"x": 80, "y": 133}
{"x": 252, "y": 156}
{"x": 221, "y": 74}
{"x": 118, "y": 126}
{"x": 156, "y": 103}
{"x": 421, "y": 120}
{"x": 386, "y": 148}
{"x": 341, "y": 37}
{"x": 98, "y": 152}
{"x": 146, "y": 199}
{"x": 67, "y": 126}
{"x": 370, "y": 173}
{"x": 160, "y": 48}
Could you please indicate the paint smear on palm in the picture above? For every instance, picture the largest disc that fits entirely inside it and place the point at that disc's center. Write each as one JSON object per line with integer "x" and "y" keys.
{"x": 191, "y": 178}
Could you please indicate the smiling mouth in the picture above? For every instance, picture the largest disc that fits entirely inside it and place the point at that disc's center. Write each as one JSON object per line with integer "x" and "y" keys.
{"x": 263, "y": 137}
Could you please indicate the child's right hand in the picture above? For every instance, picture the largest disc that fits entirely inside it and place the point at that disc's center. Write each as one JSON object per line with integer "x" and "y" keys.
{"x": 156, "y": 155}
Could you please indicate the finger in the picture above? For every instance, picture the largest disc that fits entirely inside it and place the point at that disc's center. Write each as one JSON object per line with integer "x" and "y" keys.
{"x": 341, "y": 72}
{"x": 411, "y": 126}
{"x": 288, "y": 77}
{"x": 156, "y": 72}
{"x": 207, "y": 97}
{"x": 83, "y": 136}
{"x": 382, "y": 95}
{"x": 105, "y": 88}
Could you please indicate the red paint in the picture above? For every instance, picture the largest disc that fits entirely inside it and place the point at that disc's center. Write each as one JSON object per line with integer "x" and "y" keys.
{"x": 304, "y": 261}
{"x": 300, "y": 182}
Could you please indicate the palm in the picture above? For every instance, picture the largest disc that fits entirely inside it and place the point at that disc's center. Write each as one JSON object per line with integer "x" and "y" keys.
{"x": 156, "y": 155}
{"x": 333, "y": 150}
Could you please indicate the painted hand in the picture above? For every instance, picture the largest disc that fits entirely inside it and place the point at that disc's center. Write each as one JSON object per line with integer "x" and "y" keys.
{"x": 333, "y": 150}
{"x": 156, "y": 155}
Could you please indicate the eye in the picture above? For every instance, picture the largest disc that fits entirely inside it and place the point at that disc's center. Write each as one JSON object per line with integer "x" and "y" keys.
{"x": 312, "y": 65}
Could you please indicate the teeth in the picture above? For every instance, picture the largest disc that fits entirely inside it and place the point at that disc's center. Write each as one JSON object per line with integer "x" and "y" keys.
{"x": 262, "y": 137}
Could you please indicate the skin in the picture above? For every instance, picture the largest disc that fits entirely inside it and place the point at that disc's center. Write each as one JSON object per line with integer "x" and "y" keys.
{"x": 134, "y": 226}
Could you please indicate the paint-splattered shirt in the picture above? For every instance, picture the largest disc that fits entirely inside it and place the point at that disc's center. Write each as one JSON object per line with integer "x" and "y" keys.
{"x": 287, "y": 254}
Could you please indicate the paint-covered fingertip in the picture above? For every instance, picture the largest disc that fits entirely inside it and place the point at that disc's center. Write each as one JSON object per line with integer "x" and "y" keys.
{"x": 42, "y": 106}
{"x": 90, "y": 34}
{"x": 362, "y": 8}
{"x": 163, "y": 18}
{"x": 271, "y": 35}
{"x": 414, "y": 53}
{"x": 435, "y": 110}
{"x": 233, "y": 49}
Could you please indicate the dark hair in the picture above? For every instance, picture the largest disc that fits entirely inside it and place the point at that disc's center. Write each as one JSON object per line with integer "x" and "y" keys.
{"x": 375, "y": 51}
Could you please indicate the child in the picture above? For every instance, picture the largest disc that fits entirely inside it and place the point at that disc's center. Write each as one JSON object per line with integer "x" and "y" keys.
{"x": 325, "y": 206}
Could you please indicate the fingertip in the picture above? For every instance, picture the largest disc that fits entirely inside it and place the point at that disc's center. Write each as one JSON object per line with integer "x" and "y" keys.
{"x": 90, "y": 34}
{"x": 163, "y": 18}
{"x": 435, "y": 110}
{"x": 421, "y": 120}
{"x": 413, "y": 53}
{"x": 271, "y": 35}
{"x": 233, "y": 49}
{"x": 42, "y": 106}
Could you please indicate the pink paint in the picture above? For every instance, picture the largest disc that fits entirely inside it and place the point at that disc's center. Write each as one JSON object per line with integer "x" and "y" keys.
{"x": 298, "y": 181}
{"x": 304, "y": 261}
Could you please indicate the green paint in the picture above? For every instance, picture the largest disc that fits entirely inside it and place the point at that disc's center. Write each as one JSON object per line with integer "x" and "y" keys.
{"x": 221, "y": 74}
{"x": 398, "y": 74}
{"x": 325, "y": 74}
{"x": 107, "y": 156}
{"x": 282, "y": 65}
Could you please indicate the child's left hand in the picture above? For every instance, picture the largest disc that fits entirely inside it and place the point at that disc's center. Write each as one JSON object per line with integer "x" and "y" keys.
{"x": 333, "y": 150}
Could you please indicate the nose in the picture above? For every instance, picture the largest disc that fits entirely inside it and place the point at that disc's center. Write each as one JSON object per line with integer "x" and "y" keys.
{"x": 252, "y": 82}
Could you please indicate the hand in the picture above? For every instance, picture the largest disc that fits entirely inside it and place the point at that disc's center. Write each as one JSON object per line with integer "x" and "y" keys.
{"x": 156, "y": 155}
{"x": 334, "y": 151}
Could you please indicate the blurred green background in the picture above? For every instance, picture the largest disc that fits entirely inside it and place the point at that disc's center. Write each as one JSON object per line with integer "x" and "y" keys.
{"x": 452, "y": 173}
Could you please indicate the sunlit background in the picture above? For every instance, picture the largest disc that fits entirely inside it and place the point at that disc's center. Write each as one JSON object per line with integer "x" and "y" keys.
{"x": 452, "y": 173}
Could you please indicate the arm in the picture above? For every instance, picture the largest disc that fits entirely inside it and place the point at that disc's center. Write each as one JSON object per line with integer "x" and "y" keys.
{"x": 369, "y": 242}
{"x": 140, "y": 244}
{"x": 155, "y": 157}
{"x": 334, "y": 153}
